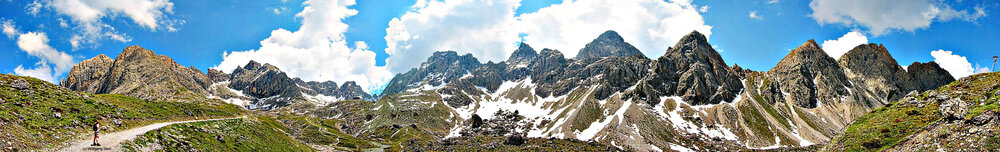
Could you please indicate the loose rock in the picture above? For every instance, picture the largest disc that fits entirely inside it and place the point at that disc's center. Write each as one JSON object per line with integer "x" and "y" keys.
{"x": 953, "y": 109}
{"x": 20, "y": 84}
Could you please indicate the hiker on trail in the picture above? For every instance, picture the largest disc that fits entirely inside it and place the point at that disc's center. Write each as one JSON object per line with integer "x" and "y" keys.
{"x": 97, "y": 123}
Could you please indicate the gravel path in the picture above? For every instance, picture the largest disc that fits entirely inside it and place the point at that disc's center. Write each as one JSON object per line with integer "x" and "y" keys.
{"x": 112, "y": 141}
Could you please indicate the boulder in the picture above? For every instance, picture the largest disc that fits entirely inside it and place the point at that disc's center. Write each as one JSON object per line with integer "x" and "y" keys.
{"x": 954, "y": 109}
{"x": 20, "y": 84}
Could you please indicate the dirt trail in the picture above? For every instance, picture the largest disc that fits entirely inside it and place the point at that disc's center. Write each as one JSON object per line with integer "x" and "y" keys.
{"x": 112, "y": 141}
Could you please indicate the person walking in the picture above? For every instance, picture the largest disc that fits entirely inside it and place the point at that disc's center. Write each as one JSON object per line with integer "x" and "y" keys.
{"x": 97, "y": 130}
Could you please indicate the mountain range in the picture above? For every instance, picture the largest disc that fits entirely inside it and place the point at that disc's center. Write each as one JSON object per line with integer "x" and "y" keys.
{"x": 609, "y": 95}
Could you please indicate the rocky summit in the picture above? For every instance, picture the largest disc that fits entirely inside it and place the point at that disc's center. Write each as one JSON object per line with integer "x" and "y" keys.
{"x": 608, "y": 44}
{"x": 139, "y": 73}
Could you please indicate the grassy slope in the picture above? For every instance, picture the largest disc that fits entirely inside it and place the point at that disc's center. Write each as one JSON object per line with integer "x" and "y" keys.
{"x": 885, "y": 127}
{"x": 46, "y": 115}
{"x": 254, "y": 133}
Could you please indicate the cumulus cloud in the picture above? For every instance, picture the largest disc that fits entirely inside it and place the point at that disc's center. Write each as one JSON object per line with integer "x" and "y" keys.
{"x": 840, "y": 46}
{"x": 87, "y": 17}
{"x": 753, "y": 15}
{"x": 318, "y": 51}
{"x": 957, "y": 65}
{"x": 651, "y": 25}
{"x": 703, "y": 9}
{"x": 886, "y": 15}
{"x": 51, "y": 64}
{"x": 8, "y": 28}
{"x": 483, "y": 28}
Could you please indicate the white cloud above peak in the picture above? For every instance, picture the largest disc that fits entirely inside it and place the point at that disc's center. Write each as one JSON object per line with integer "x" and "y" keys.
{"x": 489, "y": 30}
{"x": 650, "y": 25}
{"x": 840, "y": 46}
{"x": 484, "y": 28}
{"x": 88, "y": 15}
{"x": 957, "y": 65}
{"x": 318, "y": 51}
{"x": 882, "y": 16}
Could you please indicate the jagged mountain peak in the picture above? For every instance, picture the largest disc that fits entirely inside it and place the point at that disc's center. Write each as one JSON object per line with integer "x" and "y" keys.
{"x": 523, "y": 53}
{"x": 608, "y": 44}
{"x": 611, "y": 36}
{"x": 808, "y": 74}
{"x": 134, "y": 51}
{"x": 694, "y": 36}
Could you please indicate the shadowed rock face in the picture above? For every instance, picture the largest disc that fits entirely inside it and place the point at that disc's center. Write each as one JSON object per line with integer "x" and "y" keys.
{"x": 440, "y": 68}
{"x": 522, "y": 56}
{"x": 272, "y": 88}
{"x": 873, "y": 65}
{"x": 699, "y": 71}
{"x": 88, "y": 75}
{"x": 139, "y": 73}
{"x": 928, "y": 76}
{"x": 808, "y": 74}
{"x": 608, "y": 44}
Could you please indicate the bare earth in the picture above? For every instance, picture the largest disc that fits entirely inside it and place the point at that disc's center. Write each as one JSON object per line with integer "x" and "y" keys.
{"x": 112, "y": 141}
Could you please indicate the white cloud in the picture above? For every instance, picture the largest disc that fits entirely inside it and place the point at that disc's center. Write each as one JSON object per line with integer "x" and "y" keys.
{"x": 772, "y": 1}
{"x": 483, "y": 28}
{"x": 87, "y": 15}
{"x": 885, "y": 15}
{"x": 279, "y": 10}
{"x": 753, "y": 15}
{"x": 51, "y": 62}
{"x": 957, "y": 65}
{"x": 318, "y": 51}
{"x": 703, "y": 9}
{"x": 650, "y": 25}
{"x": 840, "y": 46}
{"x": 33, "y": 8}
{"x": 8, "y": 28}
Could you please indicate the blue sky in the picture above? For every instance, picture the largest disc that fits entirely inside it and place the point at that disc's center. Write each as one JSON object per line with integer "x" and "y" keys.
{"x": 369, "y": 41}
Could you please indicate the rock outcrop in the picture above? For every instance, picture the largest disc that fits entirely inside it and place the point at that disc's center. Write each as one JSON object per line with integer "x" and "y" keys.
{"x": 88, "y": 75}
{"x": 928, "y": 76}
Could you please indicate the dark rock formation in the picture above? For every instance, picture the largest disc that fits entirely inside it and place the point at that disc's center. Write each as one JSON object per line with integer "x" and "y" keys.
{"x": 440, "y": 68}
{"x": 928, "y": 76}
{"x": 873, "y": 65}
{"x": 808, "y": 74}
{"x": 608, "y": 44}
{"x": 699, "y": 71}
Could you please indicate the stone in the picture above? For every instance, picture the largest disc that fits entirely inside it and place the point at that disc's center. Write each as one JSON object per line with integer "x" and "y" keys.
{"x": 20, "y": 84}
{"x": 953, "y": 109}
